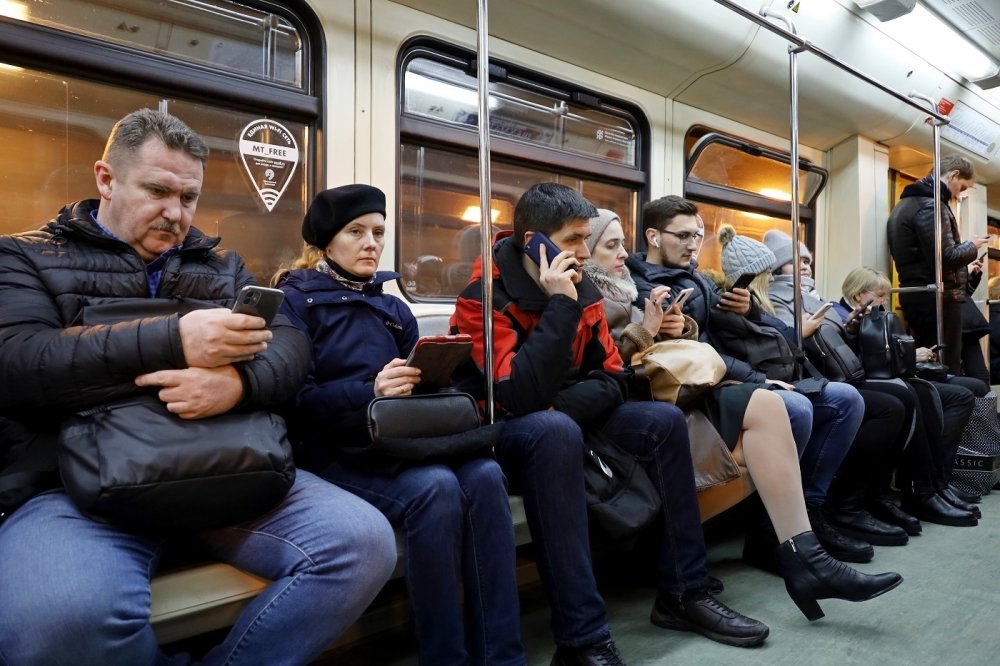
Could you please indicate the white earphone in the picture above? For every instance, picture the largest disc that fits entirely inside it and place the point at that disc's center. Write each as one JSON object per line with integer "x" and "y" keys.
{"x": 656, "y": 242}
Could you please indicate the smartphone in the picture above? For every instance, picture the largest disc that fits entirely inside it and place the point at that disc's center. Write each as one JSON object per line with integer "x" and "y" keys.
{"x": 857, "y": 312}
{"x": 259, "y": 301}
{"x": 551, "y": 249}
{"x": 819, "y": 314}
{"x": 681, "y": 297}
{"x": 984, "y": 254}
{"x": 743, "y": 281}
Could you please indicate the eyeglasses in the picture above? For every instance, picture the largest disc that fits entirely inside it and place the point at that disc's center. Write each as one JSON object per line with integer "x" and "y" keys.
{"x": 685, "y": 237}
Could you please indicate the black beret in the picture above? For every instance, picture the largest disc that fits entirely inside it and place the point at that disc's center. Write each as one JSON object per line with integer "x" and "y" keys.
{"x": 333, "y": 209}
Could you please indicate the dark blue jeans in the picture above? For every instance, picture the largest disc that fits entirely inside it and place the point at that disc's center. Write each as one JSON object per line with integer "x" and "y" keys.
{"x": 456, "y": 527}
{"x": 542, "y": 454}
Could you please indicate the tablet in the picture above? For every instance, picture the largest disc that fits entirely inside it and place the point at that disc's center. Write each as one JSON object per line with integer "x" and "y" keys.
{"x": 437, "y": 356}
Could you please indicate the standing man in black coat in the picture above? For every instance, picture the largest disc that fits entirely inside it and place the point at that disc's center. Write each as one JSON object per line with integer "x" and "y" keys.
{"x": 911, "y": 243}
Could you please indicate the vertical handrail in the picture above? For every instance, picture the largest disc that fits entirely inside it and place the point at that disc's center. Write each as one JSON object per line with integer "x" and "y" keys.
{"x": 793, "y": 92}
{"x": 485, "y": 214}
{"x": 936, "y": 189}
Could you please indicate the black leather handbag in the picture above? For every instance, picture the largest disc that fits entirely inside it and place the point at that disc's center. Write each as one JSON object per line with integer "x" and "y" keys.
{"x": 134, "y": 463}
{"x": 429, "y": 427}
{"x": 621, "y": 498}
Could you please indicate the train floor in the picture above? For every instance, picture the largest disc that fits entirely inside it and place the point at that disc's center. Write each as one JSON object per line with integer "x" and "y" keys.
{"x": 947, "y": 611}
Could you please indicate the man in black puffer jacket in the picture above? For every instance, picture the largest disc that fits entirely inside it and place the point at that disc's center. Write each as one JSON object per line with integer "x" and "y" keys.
{"x": 911, "y": 243}
{"x": 65, "y": 574}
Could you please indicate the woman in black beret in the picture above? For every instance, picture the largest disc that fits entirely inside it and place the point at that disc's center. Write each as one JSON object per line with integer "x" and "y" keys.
{"x": 454, "y": 518}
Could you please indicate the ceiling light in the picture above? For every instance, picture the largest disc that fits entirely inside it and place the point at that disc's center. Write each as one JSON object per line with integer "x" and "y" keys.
{"x": 887, "y": 10}
{"x": 940, "y": 44}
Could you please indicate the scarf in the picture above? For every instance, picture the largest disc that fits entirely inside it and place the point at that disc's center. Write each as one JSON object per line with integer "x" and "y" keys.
{"x": 349, "y": 280}
{"x": 613, "y": 288}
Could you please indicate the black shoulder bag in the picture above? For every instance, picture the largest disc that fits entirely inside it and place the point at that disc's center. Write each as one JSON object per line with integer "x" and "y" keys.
{"x": 134, "y": 463}
{"x": 887, "y": 351}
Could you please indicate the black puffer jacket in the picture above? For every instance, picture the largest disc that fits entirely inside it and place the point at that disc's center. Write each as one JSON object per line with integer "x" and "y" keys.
{"x": 50, "y": 365}
{"x": 911, "y": 241}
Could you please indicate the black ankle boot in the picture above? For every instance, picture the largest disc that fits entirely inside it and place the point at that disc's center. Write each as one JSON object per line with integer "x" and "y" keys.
{"x": 838, "y": 545}
{"x": 811, "y": 574}
{"x": 949, "y": 496}
{"x": 886, "y": 510}
{"x": 847, "y": 513}
{"x": 962, "y": 495}
{"x": 930, "y": 507}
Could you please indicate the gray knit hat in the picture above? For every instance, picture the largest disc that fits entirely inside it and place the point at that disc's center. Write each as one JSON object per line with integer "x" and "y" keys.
{"x": 598, "y": 225}
{"x": 741, "y": 254}
{"x": 781, "y": 245}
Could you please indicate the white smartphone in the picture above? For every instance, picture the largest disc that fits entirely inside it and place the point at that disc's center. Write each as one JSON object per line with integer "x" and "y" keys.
{"x": 819, "y": 314}
{"x": 682, "y": 296}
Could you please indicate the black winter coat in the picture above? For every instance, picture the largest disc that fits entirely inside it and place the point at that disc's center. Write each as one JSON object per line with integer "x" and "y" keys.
{"x": 911, "y": 241}
{"x": 51, "y": 366}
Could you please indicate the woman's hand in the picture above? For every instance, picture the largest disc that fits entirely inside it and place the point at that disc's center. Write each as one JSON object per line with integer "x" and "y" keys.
{"x": 810, "y": 325}
{"x": 652, "y": 316}
{"x": 396, "y": 379}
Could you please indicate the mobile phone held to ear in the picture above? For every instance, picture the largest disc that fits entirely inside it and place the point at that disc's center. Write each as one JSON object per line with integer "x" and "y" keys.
{"x": 551, "y": 249}
{"x": 680, "y": 299}
{"x": 743, "y": 281}
{"x": 259, "y": 301}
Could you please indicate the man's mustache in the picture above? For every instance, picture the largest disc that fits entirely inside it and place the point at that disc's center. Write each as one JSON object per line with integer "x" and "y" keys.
{"x": 170, "y": 227}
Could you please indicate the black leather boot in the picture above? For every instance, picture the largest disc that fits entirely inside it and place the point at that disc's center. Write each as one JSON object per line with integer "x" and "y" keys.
{"x": 886, "y": 510}
{"x": 971, "y": 499}
{"x": 811, "y": 574}
{"x": 838, "y": 545}
{"x": 930, "y": 507}
{"x": 847, "y": 513}
{"x": 950, "y": 497}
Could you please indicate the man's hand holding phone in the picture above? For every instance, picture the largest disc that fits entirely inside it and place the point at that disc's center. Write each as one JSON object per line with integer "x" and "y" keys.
{"x": 653, "y": 312}
{"x": 735, "y": 300}
{"x": 562, "y": 274}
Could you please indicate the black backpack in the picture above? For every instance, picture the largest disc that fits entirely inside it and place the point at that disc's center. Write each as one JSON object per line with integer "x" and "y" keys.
{"x": 886, "y": 349}
{"x": 831, "y": 354}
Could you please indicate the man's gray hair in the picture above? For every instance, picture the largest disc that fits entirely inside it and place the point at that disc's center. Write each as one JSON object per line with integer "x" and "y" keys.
{"x": 136, "y": 128}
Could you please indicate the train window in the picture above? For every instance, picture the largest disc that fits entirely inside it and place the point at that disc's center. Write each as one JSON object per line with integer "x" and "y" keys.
{"x": 218, "y": 33}
{"x": 746, "y": 185}
{"x": 56, "y": 117}
{"x": 542, "y": 130}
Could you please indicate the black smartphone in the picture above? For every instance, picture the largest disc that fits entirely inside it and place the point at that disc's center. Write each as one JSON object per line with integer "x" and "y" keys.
{"x": 551, "y": 249}
{"x": 743, "y": 281}
{"x": 259, "y": 301}
{"x": 984, "y": 254}
{"x": 858, "y": 311}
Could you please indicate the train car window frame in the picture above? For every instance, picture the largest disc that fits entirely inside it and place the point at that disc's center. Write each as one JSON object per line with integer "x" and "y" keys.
{"x": 216, "y": 102}
{"x": 731, "y": 204}
{"x": 606, "y": 180}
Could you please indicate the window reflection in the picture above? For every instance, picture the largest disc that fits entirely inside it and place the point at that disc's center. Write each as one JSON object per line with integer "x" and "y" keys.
{"x": 438, "y": 243}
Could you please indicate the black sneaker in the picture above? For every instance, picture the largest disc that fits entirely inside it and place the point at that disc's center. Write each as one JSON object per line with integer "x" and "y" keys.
{"x": 700, "y": 612}
{"x": 604, "y": 653}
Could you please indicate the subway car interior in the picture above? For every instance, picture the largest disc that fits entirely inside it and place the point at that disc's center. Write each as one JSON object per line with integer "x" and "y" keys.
{"x": 625, "y": 102}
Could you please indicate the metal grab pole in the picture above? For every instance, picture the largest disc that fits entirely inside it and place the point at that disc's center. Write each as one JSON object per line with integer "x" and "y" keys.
{"x": 936, "y": 188}
{"x": 805, "y": 45}
{"x": 793, "y": 89}
{"x": 485, "y": 214}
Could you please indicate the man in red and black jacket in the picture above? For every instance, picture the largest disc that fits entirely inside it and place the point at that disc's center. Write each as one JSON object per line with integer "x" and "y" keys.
{"x": 558, "y": 377}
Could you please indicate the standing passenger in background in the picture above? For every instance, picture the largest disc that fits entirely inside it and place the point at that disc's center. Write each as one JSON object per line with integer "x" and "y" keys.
{"x": 455, "y": 518}
{"x": 912, "y": 244}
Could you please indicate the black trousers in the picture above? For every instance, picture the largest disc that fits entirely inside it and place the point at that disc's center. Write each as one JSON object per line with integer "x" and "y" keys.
{"x": 922, "y": 318}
